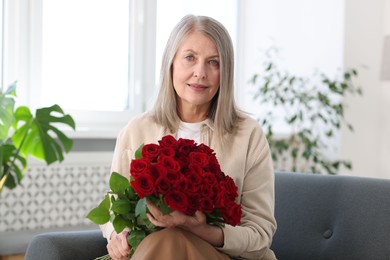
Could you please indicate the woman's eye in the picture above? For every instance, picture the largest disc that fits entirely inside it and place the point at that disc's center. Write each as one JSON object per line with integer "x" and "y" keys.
{"x": 214, "y": 62}
{"x": 189, "y": 58}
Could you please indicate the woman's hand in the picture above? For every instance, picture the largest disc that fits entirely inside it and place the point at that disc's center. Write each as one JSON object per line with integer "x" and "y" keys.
{"x": 175, "y": 218}
{"x": 196, "y": 224}
{"x": 117, "y": 247}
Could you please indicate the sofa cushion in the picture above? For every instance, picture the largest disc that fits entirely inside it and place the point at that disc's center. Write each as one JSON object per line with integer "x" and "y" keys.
{"x": 331, "y": 217}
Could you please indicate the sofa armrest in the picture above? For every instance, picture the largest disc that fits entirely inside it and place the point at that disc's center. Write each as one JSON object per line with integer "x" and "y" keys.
{"x": 75, "y": 245}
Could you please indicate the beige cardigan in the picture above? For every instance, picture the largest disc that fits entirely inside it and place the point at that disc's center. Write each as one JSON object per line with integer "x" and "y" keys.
{"x": 246, "y": 159}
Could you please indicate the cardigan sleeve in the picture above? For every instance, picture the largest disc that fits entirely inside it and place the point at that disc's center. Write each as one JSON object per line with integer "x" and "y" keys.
{"x": 120, "y": 164}
{"x": 254, "y": 176}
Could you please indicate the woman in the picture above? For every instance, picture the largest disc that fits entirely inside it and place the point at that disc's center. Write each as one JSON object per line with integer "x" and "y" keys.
{"x": 196, "y": 101}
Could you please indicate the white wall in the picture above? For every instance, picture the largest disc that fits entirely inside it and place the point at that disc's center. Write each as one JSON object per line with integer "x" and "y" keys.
{"x": 309, "y": 36}
{"x": 327, "y": 35}
{"x": 366, "y": 23}
{"x": 308, "y": 33}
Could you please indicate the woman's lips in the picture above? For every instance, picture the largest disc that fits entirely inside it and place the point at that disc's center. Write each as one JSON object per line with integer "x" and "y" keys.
{"x": 197, "y": 86}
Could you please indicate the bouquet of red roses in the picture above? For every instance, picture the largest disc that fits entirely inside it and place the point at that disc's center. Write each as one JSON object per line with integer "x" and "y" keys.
{"x": 174, "y": 175}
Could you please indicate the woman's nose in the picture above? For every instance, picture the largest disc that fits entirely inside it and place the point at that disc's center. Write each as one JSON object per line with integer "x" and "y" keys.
{"x": 200, "y": 71}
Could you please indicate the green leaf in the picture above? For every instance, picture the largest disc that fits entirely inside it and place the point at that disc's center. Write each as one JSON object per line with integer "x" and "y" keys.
{"x": 294, "y": 152}
{"x": 138, "y": 153}
{"x": 7, "y": 104}
{"x": 13, "y": 166}
{"x": 163, "y": 207}
{"x": 99, "y": 215}
{"x": 130, "y": 193}
{"x": 119, "y": 223}
{"x": 140, "y": 208}
{"x": 105, "y": 204}
{"x": 35, "y": 135}
{"x": 135, "y": 238}
{"x": 118, "y": 183}
{"x": 121, "y": 206}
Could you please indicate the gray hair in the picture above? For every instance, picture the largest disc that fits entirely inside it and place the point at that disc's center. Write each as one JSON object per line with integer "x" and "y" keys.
{"x": 224, "y": 114}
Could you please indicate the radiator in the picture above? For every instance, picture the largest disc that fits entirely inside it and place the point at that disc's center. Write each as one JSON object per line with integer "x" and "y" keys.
{"x": 59, "y": 195}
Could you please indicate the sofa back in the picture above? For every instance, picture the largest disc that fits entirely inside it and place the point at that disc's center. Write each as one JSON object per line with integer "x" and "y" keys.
{"x": 331, "y": 217}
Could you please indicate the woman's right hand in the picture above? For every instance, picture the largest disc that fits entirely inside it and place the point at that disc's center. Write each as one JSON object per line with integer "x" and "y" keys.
{"x": 117, "y": 247}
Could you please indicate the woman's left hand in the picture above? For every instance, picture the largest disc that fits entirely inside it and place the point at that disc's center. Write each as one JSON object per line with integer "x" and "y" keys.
{"x": 175, "y": 218}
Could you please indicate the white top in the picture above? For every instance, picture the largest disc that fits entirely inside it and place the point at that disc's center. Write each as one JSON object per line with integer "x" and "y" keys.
{"x": 189, "y": 131}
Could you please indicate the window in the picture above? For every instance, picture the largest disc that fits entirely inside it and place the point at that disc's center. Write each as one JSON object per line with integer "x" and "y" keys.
{"x": 85, "y": 54}
{"x": 81, "y": 55}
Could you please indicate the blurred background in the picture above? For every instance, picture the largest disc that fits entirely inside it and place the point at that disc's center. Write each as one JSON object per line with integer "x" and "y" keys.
{"x": 100, "y": 60}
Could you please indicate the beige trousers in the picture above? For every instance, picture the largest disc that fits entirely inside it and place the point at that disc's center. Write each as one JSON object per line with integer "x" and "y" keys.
{"x": 176, "y": 244}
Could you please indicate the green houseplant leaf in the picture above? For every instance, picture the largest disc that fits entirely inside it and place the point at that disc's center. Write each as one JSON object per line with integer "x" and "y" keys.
{"x": 7, "y": 104}
{"x": 35, "y": 135}
{"x": 13, "y": 163}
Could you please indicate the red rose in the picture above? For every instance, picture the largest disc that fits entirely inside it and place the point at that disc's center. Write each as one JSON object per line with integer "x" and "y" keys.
{"x": 143, "y": 185}
{"x": 162, "y": 186}
{"x": 215, "y": 168}
{"x": 168, "y": 141}
{"x": 232, "y": 214}
{"x": 205, "y": 149}
{"x": 187, "y": 142}
{"x": 167, "y": 151}
{"x": 206, "y": 205}
{"x": 207, "y": 191}
{"x": 222, "y": 200}
{"x": 169, "y": 163}
{"x": 193, "y": 203}
{"x": 176, "y": 200}
{"x": 150, "y": 151}
{"x": 230, "y": 187}
{"x": 183, "y": 183}
{"x": 173, "y": 177}
{"x": 191, "y": 188}
{"x": 139, "y": 166}
{"x": 195, "y": 168}
{"x": 185, "y": 146}
{"x": 157, "y": 170}
{"x": 200, "y": 159}
{"x": 194, "y": 177}
{"x": 183, "y": 161}
{"x": 209, "y": 179}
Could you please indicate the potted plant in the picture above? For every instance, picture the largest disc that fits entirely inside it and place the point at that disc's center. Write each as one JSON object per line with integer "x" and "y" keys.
{"x": 23, "y": 134}
{"x": 311, "y": 108}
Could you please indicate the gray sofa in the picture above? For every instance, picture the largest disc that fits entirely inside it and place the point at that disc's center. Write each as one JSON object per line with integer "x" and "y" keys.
{"x": 319, "y": 217}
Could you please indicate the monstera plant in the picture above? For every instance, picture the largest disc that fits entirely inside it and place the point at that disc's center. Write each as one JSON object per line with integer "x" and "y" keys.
{"x": 23, "y": 134}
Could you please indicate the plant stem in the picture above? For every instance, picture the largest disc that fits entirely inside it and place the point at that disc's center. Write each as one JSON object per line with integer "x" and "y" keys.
{"x": 8, "y": 170}
{"x": 2, "y": 182}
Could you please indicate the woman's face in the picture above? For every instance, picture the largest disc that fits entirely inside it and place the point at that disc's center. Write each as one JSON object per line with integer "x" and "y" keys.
{"x": 196, "y": 72}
